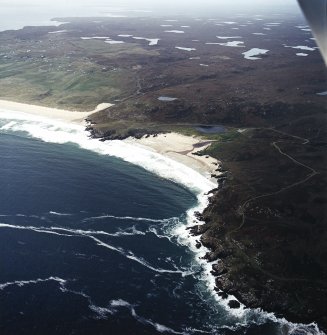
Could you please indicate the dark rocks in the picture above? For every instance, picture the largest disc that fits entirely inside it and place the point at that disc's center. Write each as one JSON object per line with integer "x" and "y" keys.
{"x": 217, "y": 250}
{"x": 198, "y": 230}
{"x": 199, "y": 216}
{"x": 234, "y": 304}
{"x": 220, "y": 169}
{"x": 92, "y": 123}
{"x": 222, "y": 294}
{"x": 98, "y": 134}
{"x": 224, "y": 284}
{"x": 211, "y": 256}
{"x": 196, "y": 153}
{"x": 198, "y": 244}
{"x": 210, "y": 242}
{"x": 218, "y": 269}
{"x": 220, "y": 178}
{"x": 213, "y": 191}
{"x": 215, "y": 176}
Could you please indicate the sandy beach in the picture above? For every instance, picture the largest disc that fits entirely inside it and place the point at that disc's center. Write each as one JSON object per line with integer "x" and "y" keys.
{"x": 178, "y": 147}
{"x": 181, "y": 148}
{"x": 53, "y": 113}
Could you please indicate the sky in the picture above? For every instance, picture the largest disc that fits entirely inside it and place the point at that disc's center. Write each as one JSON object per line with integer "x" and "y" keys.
{"x": 151, "y": 2}
{"x": 16, "y": 13}
{"x": 173, "y": 5}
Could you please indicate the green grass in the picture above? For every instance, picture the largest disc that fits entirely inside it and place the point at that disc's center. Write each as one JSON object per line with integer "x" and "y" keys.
{"x": 96, "y": 47}
{"x": 232, "y": 135}
{"x": 79, "y": 85}
{"x": 74, "y": 75}
{"x": 185, "y": 130}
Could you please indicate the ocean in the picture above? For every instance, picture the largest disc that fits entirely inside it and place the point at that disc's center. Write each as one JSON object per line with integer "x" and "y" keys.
{"x": 94, "y": 240}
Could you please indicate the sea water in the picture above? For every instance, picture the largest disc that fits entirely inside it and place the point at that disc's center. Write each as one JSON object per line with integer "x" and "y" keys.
{"x": 93, "y": 240}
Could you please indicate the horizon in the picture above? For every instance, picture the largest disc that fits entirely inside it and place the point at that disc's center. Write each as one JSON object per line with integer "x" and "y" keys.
{"x": 19, "y": 13}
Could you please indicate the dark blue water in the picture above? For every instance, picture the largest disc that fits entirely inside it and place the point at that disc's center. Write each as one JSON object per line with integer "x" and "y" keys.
{"x": 211, "y": 129}
{"x": 87, "y": 247}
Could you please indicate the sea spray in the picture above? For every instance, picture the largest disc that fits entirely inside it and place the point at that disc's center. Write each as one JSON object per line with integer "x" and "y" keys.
{"x": 245, "y": 316}
{"x": 59, "y": 132}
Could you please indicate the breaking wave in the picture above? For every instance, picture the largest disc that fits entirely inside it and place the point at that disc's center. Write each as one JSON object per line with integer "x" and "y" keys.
{"x": 21, "y": 283}
{"x": 158, "y": 327}
{"x": 49, "y": 130}
{"x": 130, "y": 218}
{"x": 90, "y": 234}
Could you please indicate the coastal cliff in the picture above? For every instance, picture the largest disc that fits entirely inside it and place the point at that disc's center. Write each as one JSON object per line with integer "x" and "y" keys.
{"x": 265, "y": 225}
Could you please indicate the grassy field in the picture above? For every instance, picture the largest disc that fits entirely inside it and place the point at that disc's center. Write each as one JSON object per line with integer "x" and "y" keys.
{"x": 74, "y": 79}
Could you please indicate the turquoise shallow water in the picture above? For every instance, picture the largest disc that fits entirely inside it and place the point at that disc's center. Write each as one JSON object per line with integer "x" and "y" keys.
{"x": 89, "y": 243}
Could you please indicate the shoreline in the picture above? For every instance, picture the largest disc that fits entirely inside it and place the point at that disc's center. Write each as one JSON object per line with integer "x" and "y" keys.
{"x": 178, "y": 147}
{"x": 52, "y": 113}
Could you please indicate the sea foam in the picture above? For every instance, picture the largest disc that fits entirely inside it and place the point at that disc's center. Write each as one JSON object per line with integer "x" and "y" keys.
{"x": 21, "y": 283}
{"x": 49, "y": 130}
{"x": 90, "y": 234}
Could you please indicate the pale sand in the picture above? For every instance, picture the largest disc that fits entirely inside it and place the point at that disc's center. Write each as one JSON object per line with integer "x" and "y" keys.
{"x": 53, "y": 113}
{"x": 181, "y": 148}
{"x": 173, "y": 145}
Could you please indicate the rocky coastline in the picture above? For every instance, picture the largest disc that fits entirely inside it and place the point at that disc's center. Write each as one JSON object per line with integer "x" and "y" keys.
{"x": 240, "y": 262}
